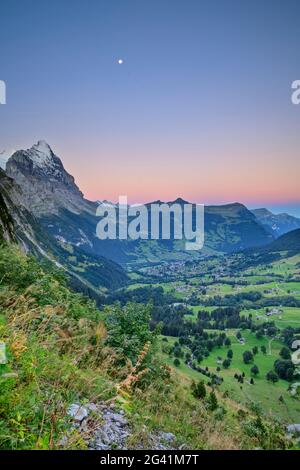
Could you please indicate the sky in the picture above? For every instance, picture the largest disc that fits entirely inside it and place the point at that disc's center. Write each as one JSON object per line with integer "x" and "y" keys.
{"x": 200, "y": 107}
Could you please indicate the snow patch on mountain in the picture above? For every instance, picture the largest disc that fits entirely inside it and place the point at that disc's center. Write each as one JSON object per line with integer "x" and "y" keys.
{"x": 41, "y": 153}
{"x": 4, "y": 157}
{"x": 44, "y": 160}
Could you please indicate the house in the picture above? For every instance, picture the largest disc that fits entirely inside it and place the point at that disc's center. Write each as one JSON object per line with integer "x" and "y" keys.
{"x": 274, "y": 311}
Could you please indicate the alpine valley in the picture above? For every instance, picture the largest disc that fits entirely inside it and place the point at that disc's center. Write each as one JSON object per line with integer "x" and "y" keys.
{"x": 141, "y": 344}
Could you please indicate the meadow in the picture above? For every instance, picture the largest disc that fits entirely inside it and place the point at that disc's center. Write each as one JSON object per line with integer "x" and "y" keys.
{"x": 277, "y": 279}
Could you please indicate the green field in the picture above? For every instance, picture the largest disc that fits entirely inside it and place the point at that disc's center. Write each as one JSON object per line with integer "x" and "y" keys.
{"x": 277, "y": 279}
{"x": 289, "y": 317}
{"x": 263, "y": 393}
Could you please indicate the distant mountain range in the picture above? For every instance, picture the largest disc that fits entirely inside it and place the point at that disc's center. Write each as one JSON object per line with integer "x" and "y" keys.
{"x": 276, "y": 224}
{"x": 63, "y": 223}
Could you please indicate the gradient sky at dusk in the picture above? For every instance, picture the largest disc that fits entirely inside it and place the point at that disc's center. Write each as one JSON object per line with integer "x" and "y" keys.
{"x": 201, "y": 107}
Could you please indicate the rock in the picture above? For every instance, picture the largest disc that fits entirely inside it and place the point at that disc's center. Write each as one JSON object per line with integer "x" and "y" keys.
{"x": 114, "y": 431}
{"x": 167, "y": 436}
{"x": 116, "y": 417}
{"x": 77, "y": 412}
{"x": 63, "y": 441}
{"x": 84, "y": 425}
{"x": 162, "y": 441}
{"x": 100, "y": 446}
{"x": 107, "y": 428}
{"x": 293, "y": 429}
{"x": 92, "y": 407}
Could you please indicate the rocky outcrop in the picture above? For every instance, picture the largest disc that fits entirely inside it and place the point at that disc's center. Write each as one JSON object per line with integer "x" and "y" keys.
{"x": 104, "y": 427}
{"x": 6, "y": 221}
{"x": 15, "y": 221}
{"x": 293, "y": 429}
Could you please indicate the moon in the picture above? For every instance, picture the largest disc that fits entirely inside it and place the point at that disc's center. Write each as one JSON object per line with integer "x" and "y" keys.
{"x": 120, "y": 61}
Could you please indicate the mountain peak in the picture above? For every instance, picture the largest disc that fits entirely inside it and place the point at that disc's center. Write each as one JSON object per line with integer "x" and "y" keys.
{"x": 179, "y": 200}
{"x": 43, "y": 147}
{"x": 41, "y": 154}
{"x": 47, "y": 186}
{"x": 262, "y": 211}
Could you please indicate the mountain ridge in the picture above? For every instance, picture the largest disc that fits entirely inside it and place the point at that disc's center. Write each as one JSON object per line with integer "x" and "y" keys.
{"x": 52, "y": 195}
{"x": 289, "y": 241}
{"x": 277, "y": 224}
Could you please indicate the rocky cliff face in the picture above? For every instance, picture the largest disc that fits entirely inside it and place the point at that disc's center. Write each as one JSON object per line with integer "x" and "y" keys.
{"x": 6, "y": 221}
{"x": 46, "y": 186}
{"x": 19, "y": 225}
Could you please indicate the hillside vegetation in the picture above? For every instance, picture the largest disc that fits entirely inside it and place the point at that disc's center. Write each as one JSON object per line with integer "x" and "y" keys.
{"x": 61, "y": 350}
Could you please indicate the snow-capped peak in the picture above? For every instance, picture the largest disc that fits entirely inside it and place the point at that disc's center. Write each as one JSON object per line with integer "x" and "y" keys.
{"x": 41, "y": 153}
{"x": 42, "y": 147}
{"x": 46, "y": 185}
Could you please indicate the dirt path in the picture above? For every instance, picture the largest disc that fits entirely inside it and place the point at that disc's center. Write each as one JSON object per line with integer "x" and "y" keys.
{"x": 270, "y": 346}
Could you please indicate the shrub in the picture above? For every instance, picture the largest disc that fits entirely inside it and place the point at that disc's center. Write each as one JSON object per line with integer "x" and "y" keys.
{"x": 198, "y": 390}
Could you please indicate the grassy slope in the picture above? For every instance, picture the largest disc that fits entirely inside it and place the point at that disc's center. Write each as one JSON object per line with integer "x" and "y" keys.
{"x": 57, "y": 354}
